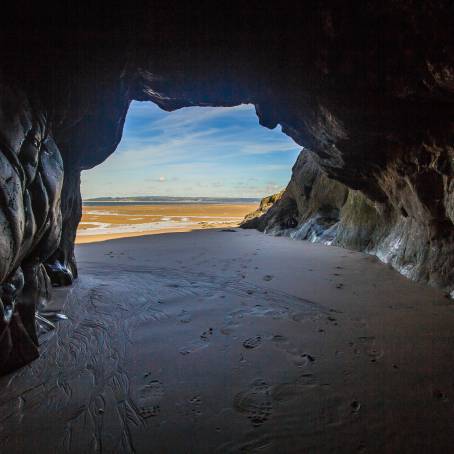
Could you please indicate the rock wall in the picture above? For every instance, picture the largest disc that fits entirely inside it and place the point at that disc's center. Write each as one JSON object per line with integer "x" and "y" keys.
{"x": 31, "y": 178}
{"x": 308, "y": 209}
{"x": 316, "y": 208}
{"x": 368, "y": 87}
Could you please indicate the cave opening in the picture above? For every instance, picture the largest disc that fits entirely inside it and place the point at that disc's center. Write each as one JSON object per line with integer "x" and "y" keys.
{"x": 226, "y": 339}
{"x": 197, "y": 167}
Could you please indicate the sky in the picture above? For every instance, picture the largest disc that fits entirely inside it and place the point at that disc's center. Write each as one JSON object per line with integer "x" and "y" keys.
{"x": 194, "y": 151}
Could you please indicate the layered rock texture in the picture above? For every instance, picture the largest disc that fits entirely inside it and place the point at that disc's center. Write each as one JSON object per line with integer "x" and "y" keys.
{"x": 367, "y": 87}
{"x": 319, "y": 209}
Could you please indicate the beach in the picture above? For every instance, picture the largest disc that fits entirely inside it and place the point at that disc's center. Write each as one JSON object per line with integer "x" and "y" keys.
{"x": 229, "y": 340}
{"x": 116, "y": 220}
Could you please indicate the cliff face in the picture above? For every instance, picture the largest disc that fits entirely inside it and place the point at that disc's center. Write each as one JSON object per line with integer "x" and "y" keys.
{"x": 368, "y": 88}
{"x": 31, "y": 178}
{"x": 309, "y": 208}
{"x": 319, "y": 209}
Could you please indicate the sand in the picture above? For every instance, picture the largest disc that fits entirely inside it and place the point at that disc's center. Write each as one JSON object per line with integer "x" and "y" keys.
{"x": 220, "y": 341}
{"x": 107, "y": 222}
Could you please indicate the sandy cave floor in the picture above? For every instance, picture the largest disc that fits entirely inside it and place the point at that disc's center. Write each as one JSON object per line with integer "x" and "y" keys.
{"x": 220, "y": 341}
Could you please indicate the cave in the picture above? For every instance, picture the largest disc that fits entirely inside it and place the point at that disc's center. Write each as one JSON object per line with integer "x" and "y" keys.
{"x": 365, "y": 89}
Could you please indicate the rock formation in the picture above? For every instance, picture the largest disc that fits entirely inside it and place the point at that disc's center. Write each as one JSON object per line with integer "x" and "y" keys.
{"x": 319, "y": 209}
{"x": 368, "y": 87}
{"x": 257, "y": 219}
{"x": 31, "y": 181}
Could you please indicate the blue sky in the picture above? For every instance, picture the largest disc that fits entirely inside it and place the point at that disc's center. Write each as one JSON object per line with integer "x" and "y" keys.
{"x": 194, "y": 151}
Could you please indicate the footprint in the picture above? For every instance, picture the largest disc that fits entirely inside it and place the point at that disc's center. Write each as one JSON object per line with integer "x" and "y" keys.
{"x": 184, "y": 317}
{"x": 366, "y": 339}
{"x": 194, "y": 404}
{"x": 194, "y": 346}
{"x": 153, "y": 390}
{"x": 300, "y": 316}
{"x": 252, "y": 342}
{"x": 149, "y": 412}
{"x": 439, "y": 395}
{"x": 206, "y": 334}
{"x": 268, "y": 277}
{"x": 195, "y": 400}
{"x": 229, "y": 328}
{"x": 336, "y": 311}
{"x": 256, "y": 402}
{"x": 303, "y": 360}
{"x": 290, "y": 391}
{"x": 355, "y": 406}
{"x": 374, "y": 354}
{"x": 299, "y": 359}
{"x": 149, "y": 397}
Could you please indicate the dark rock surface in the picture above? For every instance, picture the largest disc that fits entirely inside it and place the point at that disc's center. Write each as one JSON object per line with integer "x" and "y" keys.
{"x": 309, "y": 208}
{"x": 31, "y": 179}
{"x": 367, "y": 87}
{"x": 257, "y": 219}
{"x": 319, "y": 209}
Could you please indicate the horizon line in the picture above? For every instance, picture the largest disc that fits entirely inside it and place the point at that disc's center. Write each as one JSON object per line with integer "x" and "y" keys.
{"x": 166, "y": 197}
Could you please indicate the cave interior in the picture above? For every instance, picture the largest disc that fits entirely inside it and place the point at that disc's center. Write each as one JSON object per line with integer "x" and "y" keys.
{"x": 365, "y": 88}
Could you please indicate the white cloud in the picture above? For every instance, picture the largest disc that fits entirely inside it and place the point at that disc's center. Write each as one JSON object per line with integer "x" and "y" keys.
{"x": 199, "y": 147}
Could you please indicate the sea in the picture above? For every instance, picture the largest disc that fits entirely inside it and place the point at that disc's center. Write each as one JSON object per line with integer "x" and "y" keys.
{"x": 127, "y": 216}
{"x": 163, "y": 200}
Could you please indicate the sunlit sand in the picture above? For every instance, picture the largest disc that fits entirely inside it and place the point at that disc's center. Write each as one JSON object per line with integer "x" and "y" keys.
{"x": 100, "y": 223}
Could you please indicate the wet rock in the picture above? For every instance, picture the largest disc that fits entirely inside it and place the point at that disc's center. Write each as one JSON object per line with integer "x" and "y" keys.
{"x": 329, "y": 212}
{"x": 367, "y": 88}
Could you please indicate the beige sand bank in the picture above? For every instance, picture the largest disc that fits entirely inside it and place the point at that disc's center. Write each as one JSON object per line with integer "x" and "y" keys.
{"x": 124, "y": 221}
{"x": 215, "y": 341}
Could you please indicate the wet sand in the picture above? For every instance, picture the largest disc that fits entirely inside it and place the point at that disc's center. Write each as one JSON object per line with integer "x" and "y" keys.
{"x": 107, "y": 222}
{"x": 220, "y": 341}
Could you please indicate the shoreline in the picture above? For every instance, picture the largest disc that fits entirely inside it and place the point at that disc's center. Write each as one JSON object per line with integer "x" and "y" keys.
{"x": 101, "y": 223}
{"x": 87, "y": 239}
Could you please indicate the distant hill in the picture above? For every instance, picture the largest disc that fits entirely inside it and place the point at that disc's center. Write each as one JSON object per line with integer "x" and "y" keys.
{"x": 167, "y": 199}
